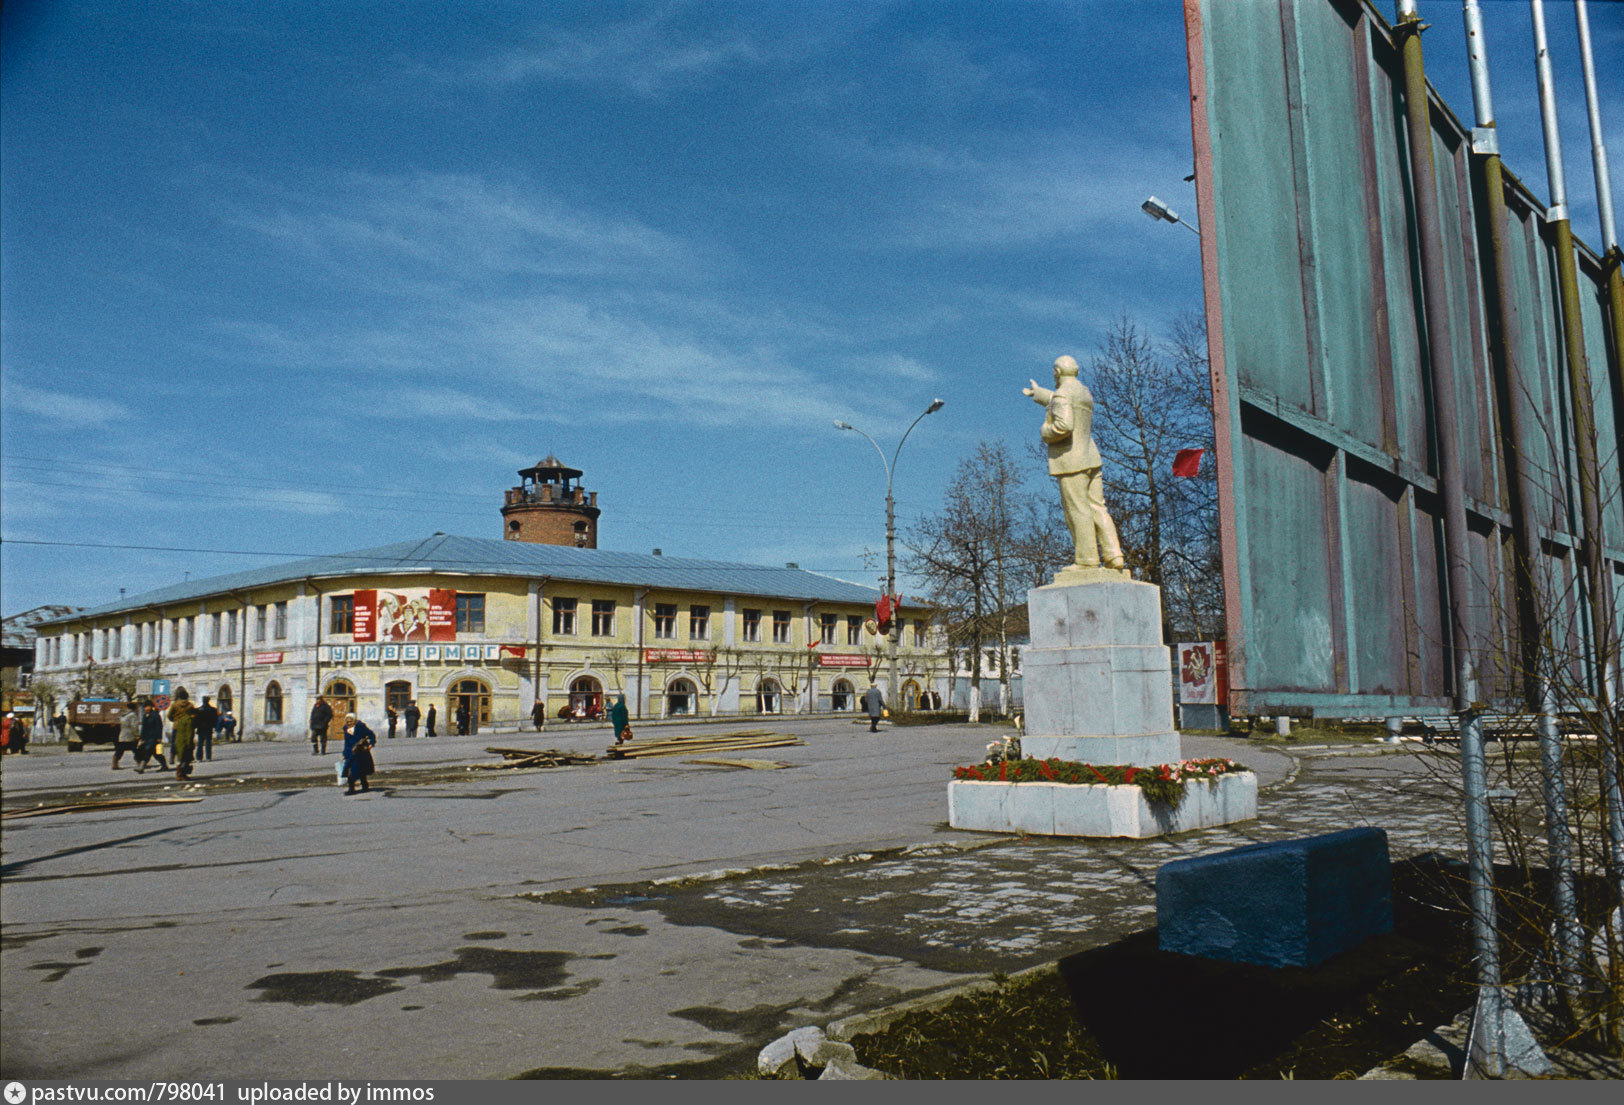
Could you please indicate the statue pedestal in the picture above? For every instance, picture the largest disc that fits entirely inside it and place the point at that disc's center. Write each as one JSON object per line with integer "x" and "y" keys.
{"x": 1096, "y": 679}
{"x": 1097, "y": 685}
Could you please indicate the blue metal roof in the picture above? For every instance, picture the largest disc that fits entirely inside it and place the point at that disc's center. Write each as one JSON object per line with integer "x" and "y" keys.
{"x": 444, "y": 554}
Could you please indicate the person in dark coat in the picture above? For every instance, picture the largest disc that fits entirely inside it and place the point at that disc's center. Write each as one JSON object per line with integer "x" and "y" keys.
{"x": 321, "y": 716}
{"x": 538, "y": 714}
{"x": 394, "y": 719}
{"x": 152, "y": 735}
{"x": 204, "y": 719}
{"x": 429, "y": 721}
{"x": 462, "y": 718}
{"x": 358, "y": 743}
{"x": 413, "y": 714}
{"x": 874, "y": 706}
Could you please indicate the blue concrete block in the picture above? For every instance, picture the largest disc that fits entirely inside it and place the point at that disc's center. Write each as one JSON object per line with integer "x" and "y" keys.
{"x": 1295, "y": 903}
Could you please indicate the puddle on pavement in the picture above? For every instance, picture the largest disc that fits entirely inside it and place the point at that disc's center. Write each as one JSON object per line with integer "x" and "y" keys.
{"x": 206, "y": 1021}
{"x": 320, "y": 988}
{"x": 59, "y": 971}
{"x": 492, "y": 935}
{"x": 509, "y": 969}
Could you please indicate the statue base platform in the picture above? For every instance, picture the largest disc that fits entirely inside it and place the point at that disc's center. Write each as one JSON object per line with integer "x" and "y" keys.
{"x": 1098, "y": 689}
{"x": 1065, "y": 809}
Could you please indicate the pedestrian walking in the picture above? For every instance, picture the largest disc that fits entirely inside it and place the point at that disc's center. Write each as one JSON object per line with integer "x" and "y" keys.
{"x": 181, "y": 715}
{"x": 228, "y": 725}
{"x": 321, "y": 716}
{"x": 620, "y": 721}
{"x": 7, "y": 724}
{"x": 204, "y": 719}
{"x": 394, "y": 719}
{"x": 874, "y": 706}
{"x": 152, "y": 735}
{"x": 60, "y": 724}
{"x": 413, "y": 714}
{"x": 462, "y": 718}
{"x": 538, "y": 714}
{"x": 358, "y": 744}
{"x": 129, "y": 732}
{"x": 429, "y": 721}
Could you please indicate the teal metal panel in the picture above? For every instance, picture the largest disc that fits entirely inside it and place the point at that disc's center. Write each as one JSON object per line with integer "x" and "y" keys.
{"x": 1332, "y": 535}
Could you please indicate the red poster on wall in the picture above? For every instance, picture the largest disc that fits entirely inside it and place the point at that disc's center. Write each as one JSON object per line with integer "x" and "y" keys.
{"x": 366, "y": 615}
{"x": 442, "y": 615}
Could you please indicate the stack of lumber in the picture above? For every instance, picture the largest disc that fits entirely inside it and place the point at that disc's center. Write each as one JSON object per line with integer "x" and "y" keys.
{"x": 738, "y": 741}
{"x": 92, "y": 807}
{"x": 530, "y": 757}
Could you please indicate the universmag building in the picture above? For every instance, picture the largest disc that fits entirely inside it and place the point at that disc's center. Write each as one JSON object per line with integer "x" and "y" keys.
{"x": 542, "y": 614}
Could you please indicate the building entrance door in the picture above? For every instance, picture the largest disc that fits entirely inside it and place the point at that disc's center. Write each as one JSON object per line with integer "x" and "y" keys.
{"x": 474, "y": 694}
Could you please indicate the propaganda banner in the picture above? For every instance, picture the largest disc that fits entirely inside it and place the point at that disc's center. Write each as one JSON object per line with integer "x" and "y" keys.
{"x": 416, "y": 615}
{"x": 1198, "y": 674}
{"x": 843, "y": 660}
{"x": 678, "y": 656}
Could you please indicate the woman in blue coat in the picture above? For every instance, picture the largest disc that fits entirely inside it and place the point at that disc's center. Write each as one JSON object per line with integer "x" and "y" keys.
{"x": 358, "y": 742}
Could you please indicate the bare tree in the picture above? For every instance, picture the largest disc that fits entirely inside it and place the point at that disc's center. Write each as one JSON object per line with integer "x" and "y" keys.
{"x": 965, "y": 556}
{"x": 1150, "y": 401}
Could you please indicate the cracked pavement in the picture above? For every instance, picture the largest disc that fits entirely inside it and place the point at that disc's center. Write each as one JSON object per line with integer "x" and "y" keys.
{"x": 564, "y": 922}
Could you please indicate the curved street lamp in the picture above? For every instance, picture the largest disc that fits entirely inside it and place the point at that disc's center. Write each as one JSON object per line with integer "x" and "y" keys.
{"x": 891, "y": 535}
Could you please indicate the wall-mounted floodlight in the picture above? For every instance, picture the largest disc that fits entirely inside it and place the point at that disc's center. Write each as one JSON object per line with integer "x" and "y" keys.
{"x": 1156, "y": 209}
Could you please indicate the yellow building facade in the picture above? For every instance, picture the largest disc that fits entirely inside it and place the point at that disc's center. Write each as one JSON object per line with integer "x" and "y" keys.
{"x": 500, "y": 627}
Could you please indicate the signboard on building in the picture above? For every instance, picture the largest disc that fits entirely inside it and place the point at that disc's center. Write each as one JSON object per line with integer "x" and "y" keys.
{"x": 268, "y": 657}
{"x": 412, "y": 654}
{"x": 415, "y": 615}
{"x": 678, "y": 656}
{"x": 844, "y": 660}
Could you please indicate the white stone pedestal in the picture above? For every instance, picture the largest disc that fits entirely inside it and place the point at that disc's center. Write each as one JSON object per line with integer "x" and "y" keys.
{"x": 1065, "y": 809}
{"x": 1096, "y": 678}
{"x": 1098, "y": 689}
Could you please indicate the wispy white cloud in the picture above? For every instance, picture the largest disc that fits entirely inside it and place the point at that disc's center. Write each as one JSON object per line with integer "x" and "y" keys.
{"x": 62, "y": 407}
{"x": 646, "y": 56}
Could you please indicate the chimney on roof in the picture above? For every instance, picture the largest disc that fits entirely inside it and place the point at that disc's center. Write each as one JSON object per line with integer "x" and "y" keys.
{"x": 792, "y": 564}
{"x": 657, "y": 552}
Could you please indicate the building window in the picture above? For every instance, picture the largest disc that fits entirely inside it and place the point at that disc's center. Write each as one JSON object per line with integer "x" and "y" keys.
{"x": 273, "y": 703}
{"x": 191, "y": 633}
{"x": 280, "y": 630}
{"x": 780, "y": 627}
{"x": 260, "y": 620}
{"x": 826, "y": 628}
{"x": 752, "y": 625}
{"x": 106, "y": 642}
{"x": 603, "y": 617}
{"x": 854, "y": 629}
{"x": 341, "y": 615}
{"x": 174, "y": 635}
{"x": 214, "y": 630}
{"x": 699, "y": 623}
{"x": 665, "y": 619}
{"x": 471, "y": 613}
{"x": 564, "y": 617}
{"x": 231, "y": 627}
{"x": 919, "y": 632}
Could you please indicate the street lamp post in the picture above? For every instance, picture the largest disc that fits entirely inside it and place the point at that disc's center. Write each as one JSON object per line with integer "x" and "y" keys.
{"x": 891, "y": 536}
{"x": 1156, "y": 209}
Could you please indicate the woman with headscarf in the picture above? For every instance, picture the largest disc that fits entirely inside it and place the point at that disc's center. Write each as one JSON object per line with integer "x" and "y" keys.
{"x": 180, "y": 715}
{"x": 620, "y": 721}
{"x": 358, "y": 742}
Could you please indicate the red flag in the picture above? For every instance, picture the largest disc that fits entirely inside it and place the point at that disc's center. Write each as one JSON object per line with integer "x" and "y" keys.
{"x": 1187, "y": 462}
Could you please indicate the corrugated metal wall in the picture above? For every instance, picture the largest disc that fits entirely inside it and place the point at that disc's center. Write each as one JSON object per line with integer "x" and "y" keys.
{"x": 1334, "y": 585}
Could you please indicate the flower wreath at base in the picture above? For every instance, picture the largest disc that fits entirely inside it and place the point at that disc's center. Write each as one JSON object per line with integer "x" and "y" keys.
{"x": 1161, "y": 783}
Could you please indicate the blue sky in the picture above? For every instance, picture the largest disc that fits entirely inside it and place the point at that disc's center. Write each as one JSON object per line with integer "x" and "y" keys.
{"x": 289, "y": 279}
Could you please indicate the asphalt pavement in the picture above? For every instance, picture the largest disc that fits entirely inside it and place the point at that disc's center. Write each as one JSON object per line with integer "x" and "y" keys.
{"x": 642, "y": 918}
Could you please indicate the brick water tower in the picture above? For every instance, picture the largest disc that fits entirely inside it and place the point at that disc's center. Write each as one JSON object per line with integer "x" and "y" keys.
{"x": 550, "y": 507}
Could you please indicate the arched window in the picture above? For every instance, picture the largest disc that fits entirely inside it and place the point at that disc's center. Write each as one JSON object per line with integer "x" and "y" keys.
{"x": 680, "y": 696}
{"x": 475, "y": 695}
{"x": 768, "y": 696}
{"x": 396, "y": 694}
{"x": 842, "y": 696}
{"x": 910, "y": 696}
{"x": 273, "y": 703}
{"x": 223, "y": 697}
{"x": 586, "y": 698}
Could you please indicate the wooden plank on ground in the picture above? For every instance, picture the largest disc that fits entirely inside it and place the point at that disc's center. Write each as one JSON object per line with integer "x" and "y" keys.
{"x": 85, "y": 807}
{"x": 753, "y": 765}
